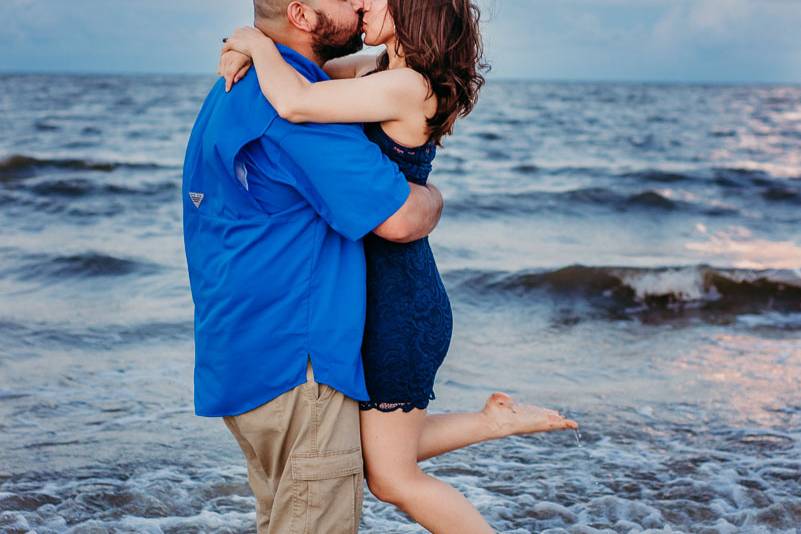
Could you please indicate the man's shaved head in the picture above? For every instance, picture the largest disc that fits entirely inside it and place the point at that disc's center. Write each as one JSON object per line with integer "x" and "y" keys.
{"x": 270, "y": 9}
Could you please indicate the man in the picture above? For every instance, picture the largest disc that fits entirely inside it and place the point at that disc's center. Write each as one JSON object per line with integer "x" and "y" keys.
{"x": 274, "y": 214}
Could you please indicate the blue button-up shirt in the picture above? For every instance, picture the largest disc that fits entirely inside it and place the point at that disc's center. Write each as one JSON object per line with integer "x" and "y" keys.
{"x": 274, "y": 214}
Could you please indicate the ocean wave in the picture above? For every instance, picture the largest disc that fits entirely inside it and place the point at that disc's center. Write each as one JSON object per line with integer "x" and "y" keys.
{"x": 57, "y": 335}
{"x": 772, "y": 321}
{"x": 488, "y": 136}
{"x": 527, "y": 202}
{"x": 739, "y": 175}
{"x": 747, "y": 181}
{"x": 660, "y": 176}
{"x": 638, "y": 289}
{"x": 726, "y": 177}
{"x": 23, "y": 166}
{"x": 83, "y": 265}
{"x": 781, "y": 194}
{"x": 690, "y": 191}
{"x": 78, "y": 187}
{"x": 44, "y": 126}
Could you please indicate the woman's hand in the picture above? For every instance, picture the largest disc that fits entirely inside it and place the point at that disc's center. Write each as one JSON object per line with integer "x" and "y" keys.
{"x": 233, "y": 67}
{"x": 245, "y": 40}
{"x": 237, "y": 51}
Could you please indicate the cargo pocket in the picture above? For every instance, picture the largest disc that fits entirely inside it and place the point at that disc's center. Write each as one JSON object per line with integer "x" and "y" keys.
{"x": 327, "y": 492}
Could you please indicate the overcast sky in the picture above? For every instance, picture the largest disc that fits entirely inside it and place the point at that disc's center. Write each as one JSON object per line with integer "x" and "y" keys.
{"x": 669, "y": 40}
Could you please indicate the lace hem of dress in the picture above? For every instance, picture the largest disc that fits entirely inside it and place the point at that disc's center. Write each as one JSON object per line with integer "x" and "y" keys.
{"x": 393, "y": 406}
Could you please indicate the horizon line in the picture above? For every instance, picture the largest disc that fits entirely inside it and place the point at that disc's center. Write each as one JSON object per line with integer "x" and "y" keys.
{"x": 533, "y": 79}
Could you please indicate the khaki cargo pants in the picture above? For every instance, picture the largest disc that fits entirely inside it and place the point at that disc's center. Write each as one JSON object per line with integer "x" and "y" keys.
{"x": 304, "y": 458}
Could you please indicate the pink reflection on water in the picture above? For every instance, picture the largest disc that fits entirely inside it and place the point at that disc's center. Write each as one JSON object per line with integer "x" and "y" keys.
{"x": 755, "y": 378}
{"x": 739, "y": 249}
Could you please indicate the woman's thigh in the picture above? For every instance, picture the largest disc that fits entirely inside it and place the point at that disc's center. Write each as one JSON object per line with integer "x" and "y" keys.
{"x": 389, "y": 445}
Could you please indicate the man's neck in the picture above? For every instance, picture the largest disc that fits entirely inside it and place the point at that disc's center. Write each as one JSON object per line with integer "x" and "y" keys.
{"x": 297, "y": 41}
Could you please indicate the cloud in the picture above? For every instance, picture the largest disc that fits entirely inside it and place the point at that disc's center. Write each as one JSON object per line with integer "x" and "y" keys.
{"x": 703, "y": 20}
{"x": 718, "y": 16}
{"x": 728, "y": 40}
{"x": 23, "y": 20}
{"x": 116, "y": 35}
{"x": 724, "y": 40}
{"x": 732, "y": 22}
{"x": 676, "y": 40}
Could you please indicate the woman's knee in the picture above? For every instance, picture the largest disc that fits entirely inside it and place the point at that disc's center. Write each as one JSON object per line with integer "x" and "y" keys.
{"x": 381, "y": 487}
{"x": 392, "y": 488}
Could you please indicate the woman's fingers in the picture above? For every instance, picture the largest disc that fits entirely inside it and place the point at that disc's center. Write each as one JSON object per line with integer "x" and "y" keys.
{"x": 228, "y": 73}
{"x": 241, "y": 73}
{"x": 229, "y": 80}
{"x": 233, "y": 66}
{"x": 234, "y": 61}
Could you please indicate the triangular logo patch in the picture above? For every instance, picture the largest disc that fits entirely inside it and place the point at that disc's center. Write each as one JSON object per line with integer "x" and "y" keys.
{"x": 197, "y": 198}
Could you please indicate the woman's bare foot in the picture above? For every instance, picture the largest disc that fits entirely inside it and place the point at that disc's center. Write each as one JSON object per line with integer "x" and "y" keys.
{"x": 508, "y": 417}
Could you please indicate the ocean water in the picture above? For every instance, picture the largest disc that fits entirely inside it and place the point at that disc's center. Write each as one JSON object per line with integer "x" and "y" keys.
{"x": 628, "y": 254}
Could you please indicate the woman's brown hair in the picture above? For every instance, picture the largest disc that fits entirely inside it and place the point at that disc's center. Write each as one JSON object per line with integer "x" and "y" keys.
{"x": 441, "y": 40}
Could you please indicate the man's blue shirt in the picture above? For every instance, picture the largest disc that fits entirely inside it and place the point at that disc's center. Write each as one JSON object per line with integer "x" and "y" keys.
{"x": 274, "y": 213}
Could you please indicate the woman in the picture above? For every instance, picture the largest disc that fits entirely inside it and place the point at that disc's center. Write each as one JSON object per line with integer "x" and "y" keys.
{"x": 410, "y": 97}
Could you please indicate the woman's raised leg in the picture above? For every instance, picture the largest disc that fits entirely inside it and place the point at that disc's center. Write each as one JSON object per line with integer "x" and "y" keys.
{"x": 500, "y": 417}
{"x": 390, "y": 447}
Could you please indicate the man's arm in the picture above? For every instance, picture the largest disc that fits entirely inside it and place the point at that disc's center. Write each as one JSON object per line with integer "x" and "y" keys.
{"x": 354, "y": 186}
{"x": 417, "y": 218}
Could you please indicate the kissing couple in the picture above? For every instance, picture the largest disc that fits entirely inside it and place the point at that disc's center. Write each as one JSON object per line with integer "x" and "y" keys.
{"x": 320, "y": 317}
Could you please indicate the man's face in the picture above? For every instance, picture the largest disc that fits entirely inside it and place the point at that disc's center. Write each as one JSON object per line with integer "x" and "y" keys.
{"x": 339, "y": 28}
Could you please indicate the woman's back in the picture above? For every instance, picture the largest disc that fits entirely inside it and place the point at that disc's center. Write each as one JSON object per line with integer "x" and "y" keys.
{"x": 414, "y": 162}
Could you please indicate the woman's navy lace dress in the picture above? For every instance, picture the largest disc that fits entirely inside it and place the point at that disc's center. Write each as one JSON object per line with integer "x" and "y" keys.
{"x": 409, "y": 321}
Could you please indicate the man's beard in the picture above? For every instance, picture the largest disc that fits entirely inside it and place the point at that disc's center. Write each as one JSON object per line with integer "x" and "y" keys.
{"x": 330, "y": 41}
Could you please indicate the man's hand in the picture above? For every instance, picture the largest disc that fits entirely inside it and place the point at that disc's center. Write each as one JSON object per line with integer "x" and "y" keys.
{"x": 233, "y": 66}
{"x": 416, "y": 219}
{"x": 439, "y": 203}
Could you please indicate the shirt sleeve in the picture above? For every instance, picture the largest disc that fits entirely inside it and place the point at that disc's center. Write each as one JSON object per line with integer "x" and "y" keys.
{"x": 343, "y": 175}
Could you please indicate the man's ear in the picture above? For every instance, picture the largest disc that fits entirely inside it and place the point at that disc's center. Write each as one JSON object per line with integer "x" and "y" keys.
{"x": 301, "y": 16}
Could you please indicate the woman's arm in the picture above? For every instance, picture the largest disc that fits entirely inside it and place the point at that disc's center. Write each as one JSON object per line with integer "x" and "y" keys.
{"x": 386, "y": 95}
{"x": 234, "y": 65}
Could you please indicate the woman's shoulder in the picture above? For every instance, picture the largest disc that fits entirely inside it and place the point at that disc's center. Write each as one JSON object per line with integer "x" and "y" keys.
{"x": 405, "y": 82}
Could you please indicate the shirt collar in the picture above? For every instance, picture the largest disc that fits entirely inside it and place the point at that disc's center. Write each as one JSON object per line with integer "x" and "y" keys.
{"x": 302, "y": 64}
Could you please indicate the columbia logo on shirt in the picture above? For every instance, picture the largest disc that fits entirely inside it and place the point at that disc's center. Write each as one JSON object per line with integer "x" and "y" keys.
{"x": 197, "y": 198}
